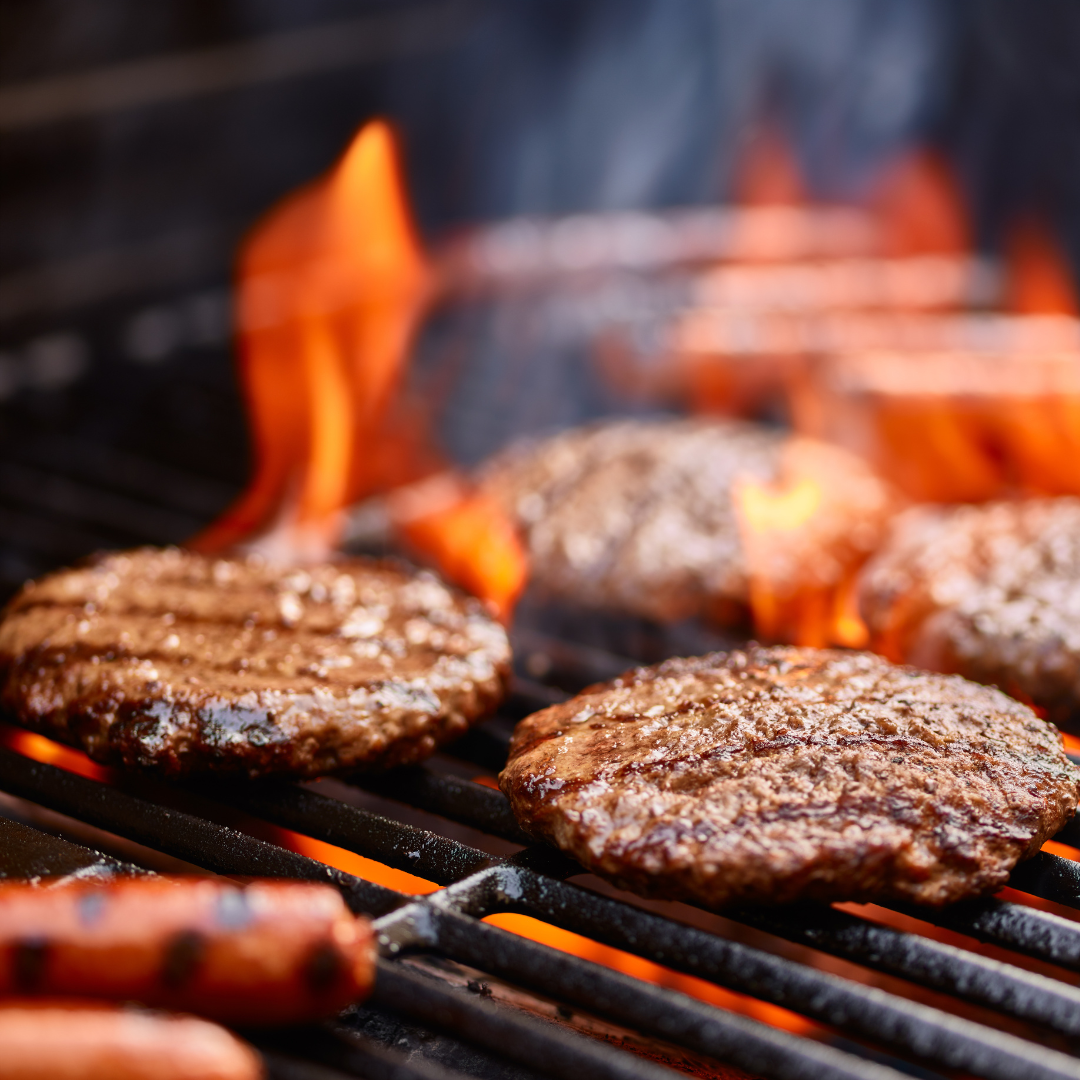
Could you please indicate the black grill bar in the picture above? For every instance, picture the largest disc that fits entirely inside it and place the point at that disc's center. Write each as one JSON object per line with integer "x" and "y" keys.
{"x": 1049, "y": 876}
{"x": 205, "y": 843}
{"x": 404, "y": 847}
{"x": 1039, "y": 934}
{"x": 663, "y": 1013}
{"x": 914, "y": 1029}
{"x": 459, "y": 800}
{"x": 30, "y": 853}
{"x": 289, "y": 1054}
{"x": 218, "y": 848}
{"x": 982, "y": 981}
{"x": 533, "y": 1043}
{"x": 933, "y": 964}
{"x": 832, "y": 1001}
{"x": 999, "y": 986}
{"x": 224, "y": 850}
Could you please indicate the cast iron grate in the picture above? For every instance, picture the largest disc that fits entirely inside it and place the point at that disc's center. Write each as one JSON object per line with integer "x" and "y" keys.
{"x": 867, "y": 1022}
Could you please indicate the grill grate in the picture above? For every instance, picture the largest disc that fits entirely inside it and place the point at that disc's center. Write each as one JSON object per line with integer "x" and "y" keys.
{"x": 986, "y": 989}
{"x": 447, "y": 924}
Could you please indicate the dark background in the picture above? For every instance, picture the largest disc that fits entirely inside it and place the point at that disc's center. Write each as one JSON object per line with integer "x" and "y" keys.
{"x": 139, "y": 142}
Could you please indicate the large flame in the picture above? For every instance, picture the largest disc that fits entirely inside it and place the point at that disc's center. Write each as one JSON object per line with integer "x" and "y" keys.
{"x": 332, "y": 285}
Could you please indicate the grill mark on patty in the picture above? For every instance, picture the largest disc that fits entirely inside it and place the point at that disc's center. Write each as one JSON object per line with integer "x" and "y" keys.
{"x": 82, "y": 659}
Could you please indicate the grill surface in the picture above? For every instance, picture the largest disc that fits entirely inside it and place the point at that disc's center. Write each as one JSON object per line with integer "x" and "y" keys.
{"x": 986, "y": 989}
{"x": 438, "y": 953}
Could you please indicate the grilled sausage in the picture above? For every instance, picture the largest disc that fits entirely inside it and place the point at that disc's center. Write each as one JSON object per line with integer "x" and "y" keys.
{"x": 64, "y": 1040}
{"x": 267, "y": 953}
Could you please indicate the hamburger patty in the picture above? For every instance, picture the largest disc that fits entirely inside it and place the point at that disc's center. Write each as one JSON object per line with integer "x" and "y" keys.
{"x": 990, "y": 592}
{"x": 189, "y": 663}
{"x": 779, "y": 774}
{"x": 641, "y": 516}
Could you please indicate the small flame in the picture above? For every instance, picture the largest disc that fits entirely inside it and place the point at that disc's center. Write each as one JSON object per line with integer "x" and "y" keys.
{"x": 39, "y": 748}
{"x": 805, "y": 536}
{"x": 920, "y": 206}
{"x": 1037, "y": 276}
{"x": 332, "y": 285}
{"x": 467, "y": 535}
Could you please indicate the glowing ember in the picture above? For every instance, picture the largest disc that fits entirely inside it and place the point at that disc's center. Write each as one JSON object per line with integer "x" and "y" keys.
{"x": 646, "y": 970}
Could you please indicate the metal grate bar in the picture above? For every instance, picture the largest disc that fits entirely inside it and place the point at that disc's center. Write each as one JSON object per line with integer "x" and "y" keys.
{"x": 663, "y": 1013}
{"x": 459, "y": 800}
{"x": 912, "y": 1028}
{"x": 1040, "y": 934}
{"x": 204, "y": 843}
{"x": 915, "y": 1029}
{"x": 30, "y": 853}
{"x": 533, "y": 1043}
{"x": 869, "y": 1012}
{"x": 401, "y": 846}
{"x": 288, "y": 1056}
{"x": 221, "y": 849}
{"x": 238, "y": 854}
{"x": 225, "y": 850}
{"x": 979, "y": 979}
{"x": 1049, "y": 876}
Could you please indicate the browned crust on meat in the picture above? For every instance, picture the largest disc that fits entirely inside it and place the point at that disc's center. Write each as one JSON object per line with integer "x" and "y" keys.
{"x": 642, "y": 516}
{"x": 635, "y": 516}
{"x": 187, "y": 663}
{"x": 989, "y": 592}
{"x": 779, "y": 774}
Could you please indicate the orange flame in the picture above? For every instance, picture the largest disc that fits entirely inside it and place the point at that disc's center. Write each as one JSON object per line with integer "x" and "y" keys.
{"x": 768, "y": 173}
{"x": 39, "y": 748}
{"x": 1038, "y": 279}
{"x": 332, "y": 285}
{"x": 921, "y": 207}
{"x": 467, "y": 535}
{"x": 805, "y": 536}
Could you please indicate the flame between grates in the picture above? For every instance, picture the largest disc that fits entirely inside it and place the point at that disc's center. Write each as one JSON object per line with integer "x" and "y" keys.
{"x": 545, "y": 1012}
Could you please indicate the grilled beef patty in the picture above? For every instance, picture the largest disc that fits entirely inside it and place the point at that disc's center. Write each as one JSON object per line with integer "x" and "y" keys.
{"x": 990, "y": 592}
{"x": 188, "y": 663}
{"x": 640, "y": 516}
{"x": 779, "y": 774}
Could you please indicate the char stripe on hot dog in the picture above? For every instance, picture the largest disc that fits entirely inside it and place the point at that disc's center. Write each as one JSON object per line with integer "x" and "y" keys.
{"x": 265, "y": 953}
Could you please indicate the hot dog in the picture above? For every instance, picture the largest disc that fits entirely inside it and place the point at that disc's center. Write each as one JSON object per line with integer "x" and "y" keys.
{"x": 57, "y": 1040}
{"x": 265, "y": 953}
